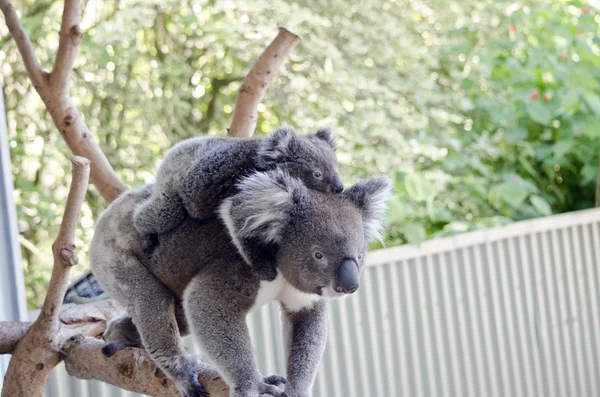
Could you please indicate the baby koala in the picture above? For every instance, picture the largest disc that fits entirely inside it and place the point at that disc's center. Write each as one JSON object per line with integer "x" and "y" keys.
{"x": 197, "y": 174}
{"x": 120, "y": 333}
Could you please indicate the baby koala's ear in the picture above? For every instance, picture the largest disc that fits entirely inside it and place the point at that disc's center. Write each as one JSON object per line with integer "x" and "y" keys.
{"x": 276, "y": 147}
{"x": 327, "y": 135}
{"x": 371, "y": 196}
{"x": 267, "y": 202}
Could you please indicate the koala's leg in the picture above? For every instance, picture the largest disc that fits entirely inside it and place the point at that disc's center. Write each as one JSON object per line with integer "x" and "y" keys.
{"x": 216, "y": 310}
{"x": 208, "y": 182}
{"x": 305, "y": 337}
{"x": 152, "y": 308}
{"x": 161, "y": 212}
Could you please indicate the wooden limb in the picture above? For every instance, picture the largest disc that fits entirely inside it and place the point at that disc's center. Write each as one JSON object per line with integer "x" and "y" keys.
{"x": 63, "y": 248}
{"x": 39, "y": 350}
{"x": 10, "y": 335}
{"x": 90, "y": 319}
{"x": 130, "y": 369}
{"x": 68, "y": 44}
{"x": 53, "y": 89}
{"x": 253, "y": 88}
{"x": 34, "y": 69}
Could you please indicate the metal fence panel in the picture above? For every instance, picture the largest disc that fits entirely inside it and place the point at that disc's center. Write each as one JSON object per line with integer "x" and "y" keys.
{"x": 509, "y": 311}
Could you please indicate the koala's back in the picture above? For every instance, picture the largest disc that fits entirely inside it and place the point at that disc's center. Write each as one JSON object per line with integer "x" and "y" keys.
{"x": 184, "y": 157}
{"x": 193, "y": 247}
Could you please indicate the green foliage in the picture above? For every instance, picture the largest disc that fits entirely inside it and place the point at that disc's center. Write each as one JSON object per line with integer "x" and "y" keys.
{"x": 482, "y": 112}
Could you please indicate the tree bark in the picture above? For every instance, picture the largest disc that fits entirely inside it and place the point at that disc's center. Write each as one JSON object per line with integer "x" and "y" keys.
{"x": 131, "y": 369}
{"x": 258, "y": 78}
{"x": 39, "y": 350}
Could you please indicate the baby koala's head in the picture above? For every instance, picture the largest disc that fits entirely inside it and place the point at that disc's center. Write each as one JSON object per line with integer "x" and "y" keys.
{"x": 310, "y": 158}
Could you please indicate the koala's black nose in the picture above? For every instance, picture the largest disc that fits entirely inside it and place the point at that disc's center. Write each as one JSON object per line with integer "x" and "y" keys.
{"x": 337, "y": 184}
{"x": 347, "y": 277}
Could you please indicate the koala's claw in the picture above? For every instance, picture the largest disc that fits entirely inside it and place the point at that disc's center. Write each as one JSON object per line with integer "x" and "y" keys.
{"x": 274, "y": 380}
{"x": 195, "y": 390}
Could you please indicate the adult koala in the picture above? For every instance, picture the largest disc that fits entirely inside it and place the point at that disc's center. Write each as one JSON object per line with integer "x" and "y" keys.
{"x": 197, "y": 174}
{"x": 315, "y": 243}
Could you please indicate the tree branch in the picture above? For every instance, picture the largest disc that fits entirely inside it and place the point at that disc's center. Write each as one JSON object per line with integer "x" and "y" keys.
{"x": 34, "y": 69}
{"x": 10, "y": 335}
{"x": 68, "y": 44}
{"x": 88, "y": 319}
{"x": 130, "y": 369}
{"x": 253, "y": 88}
{"x": 38, "y": 352}
{"x": 63, "y": 248}
{"x": 54, "y": 93}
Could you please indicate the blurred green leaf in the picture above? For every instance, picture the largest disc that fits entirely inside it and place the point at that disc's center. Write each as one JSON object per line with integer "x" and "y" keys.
{"x": 415, "y": 233}
{"x": 541, "y": 205}
{"x": 419, "y": 188}
{"x": 539, "y": 113}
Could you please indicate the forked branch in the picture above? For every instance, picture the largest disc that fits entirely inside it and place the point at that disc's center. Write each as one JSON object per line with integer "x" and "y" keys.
{"x": 54, "y": 90}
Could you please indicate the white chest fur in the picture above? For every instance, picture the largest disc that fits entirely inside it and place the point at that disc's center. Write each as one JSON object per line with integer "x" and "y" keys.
{"x": 281, "y": 290}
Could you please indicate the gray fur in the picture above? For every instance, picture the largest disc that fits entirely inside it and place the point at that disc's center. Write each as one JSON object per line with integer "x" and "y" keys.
{"x": 196, "y": 174}
{"x": 198, "y": 263}
{"x": 119, "y": 334}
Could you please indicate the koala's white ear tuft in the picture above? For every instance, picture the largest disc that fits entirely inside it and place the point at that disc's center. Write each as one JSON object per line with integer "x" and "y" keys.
{"x": 327, "y": 135}
{"x": 263, "y": 207}
{"x": 371, "y": 197}
{"x": 276, "y": 147}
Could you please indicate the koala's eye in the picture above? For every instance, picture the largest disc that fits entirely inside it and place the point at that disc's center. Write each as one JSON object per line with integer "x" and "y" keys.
{"x": 318, "y": 255}
{"x": 318, "y": 174}
{"x": 359, "y": 256}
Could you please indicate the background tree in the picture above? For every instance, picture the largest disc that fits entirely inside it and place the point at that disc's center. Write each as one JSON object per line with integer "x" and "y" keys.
{"x": 484, "y": 113}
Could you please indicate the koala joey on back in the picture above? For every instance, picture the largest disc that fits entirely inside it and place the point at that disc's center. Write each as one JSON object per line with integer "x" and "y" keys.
{"x": 197, "y": 174}
{"x": 316, "y": 241}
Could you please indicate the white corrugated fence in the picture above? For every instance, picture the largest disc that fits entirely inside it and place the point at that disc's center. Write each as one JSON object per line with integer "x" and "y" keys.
{"x": 502, "y": 312}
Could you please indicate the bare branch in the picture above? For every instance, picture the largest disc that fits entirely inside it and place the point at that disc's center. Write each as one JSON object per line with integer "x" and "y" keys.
{"x": 253, "y": 88}
{"x": 130, "y": 369}
{"x": 34, "y": 69}
{"x": 38, "y": 352}
{"x": 68, "y": 44}
{"x": 63, "y": 248}
{"x": 54, "y": 93}
{"x": 11, "y": 334}
{"x": 90, "y": 319}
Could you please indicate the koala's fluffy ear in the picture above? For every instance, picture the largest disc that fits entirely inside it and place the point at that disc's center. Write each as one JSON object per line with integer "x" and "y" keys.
{"x": 263, "y": 208}
{"x": 371, "y": 197}
{"x": 326, "y": 135}
{"x": 276, "y": 147}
